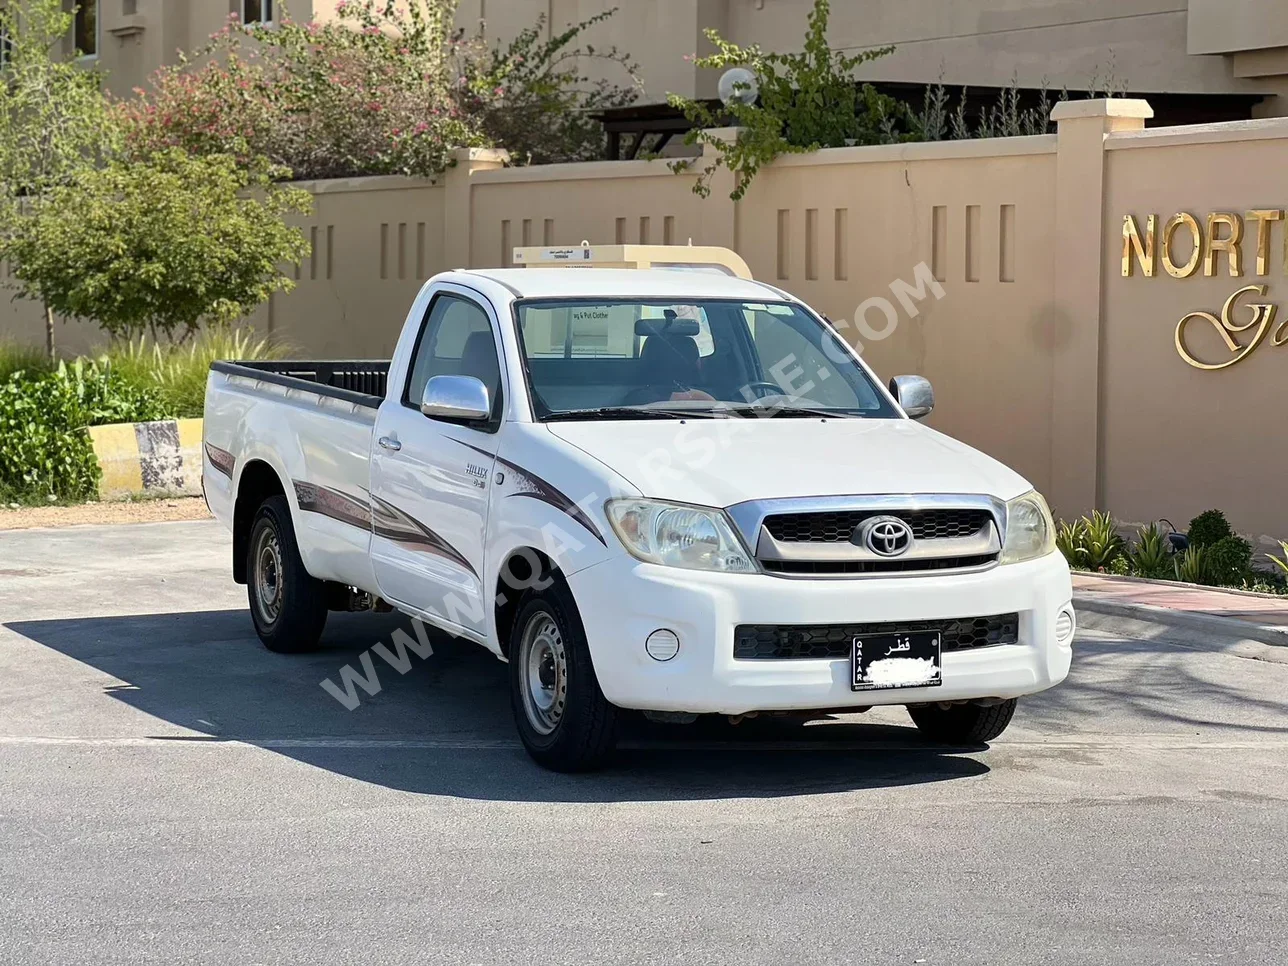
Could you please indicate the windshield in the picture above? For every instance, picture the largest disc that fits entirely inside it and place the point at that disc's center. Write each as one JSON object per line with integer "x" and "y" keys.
{"x": 632, "y": 358}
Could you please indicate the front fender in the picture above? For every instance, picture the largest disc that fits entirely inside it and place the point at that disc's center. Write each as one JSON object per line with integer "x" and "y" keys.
{"x": 550, "y": 498}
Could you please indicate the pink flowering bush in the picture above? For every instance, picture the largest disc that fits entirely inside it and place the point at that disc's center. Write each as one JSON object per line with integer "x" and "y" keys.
{"x": 368, "y": 93}
{"x": 384, "y": 88}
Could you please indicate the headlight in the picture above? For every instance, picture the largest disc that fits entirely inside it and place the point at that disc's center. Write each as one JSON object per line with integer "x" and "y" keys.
{"x": 678, "y": 536}
{"x": 1030, "y": 531}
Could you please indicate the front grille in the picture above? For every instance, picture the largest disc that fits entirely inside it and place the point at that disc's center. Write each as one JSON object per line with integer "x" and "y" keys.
{"x": 895, "y": 566}
{"x": 836, "y": 526}
{"x": 785, "y": 642}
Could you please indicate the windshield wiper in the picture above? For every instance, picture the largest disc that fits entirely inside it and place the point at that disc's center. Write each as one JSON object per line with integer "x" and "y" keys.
{"x": 614, "y": 412}
{"x": 790, "y": 412}
{"x": 805, "y": 411}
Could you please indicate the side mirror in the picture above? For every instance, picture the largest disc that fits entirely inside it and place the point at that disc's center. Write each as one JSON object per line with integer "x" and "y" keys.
{"x": 914, "y": 394}
{"x": 463, "y": 398}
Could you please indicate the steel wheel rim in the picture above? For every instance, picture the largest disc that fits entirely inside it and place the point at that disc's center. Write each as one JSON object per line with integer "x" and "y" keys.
{"x": 543, "y": 670}
{"x": 268, "y": 575}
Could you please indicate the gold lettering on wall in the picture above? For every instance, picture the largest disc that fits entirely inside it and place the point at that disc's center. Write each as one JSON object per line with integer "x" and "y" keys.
{"x": 1229, "y": 243}
{"x": 1263, "y": 316}
{"x": 1243, "y": 323}
{"x": 1265, "y": 219}
{"x": 1169, "y": 230}
{"x": 1146, "y": 253}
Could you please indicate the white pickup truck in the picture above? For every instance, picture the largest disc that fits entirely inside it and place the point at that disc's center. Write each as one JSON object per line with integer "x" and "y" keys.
{"x": 678, "y": 492}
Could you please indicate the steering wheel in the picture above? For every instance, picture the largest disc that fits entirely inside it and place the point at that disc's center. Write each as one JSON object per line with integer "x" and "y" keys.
{"x": 770, "y": 389}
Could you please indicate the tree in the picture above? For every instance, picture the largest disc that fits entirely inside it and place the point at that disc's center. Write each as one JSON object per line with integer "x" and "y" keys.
{"x": 159, "y": 245}
{"x": 54, "y": 121}
{"x": 532, "y": 95}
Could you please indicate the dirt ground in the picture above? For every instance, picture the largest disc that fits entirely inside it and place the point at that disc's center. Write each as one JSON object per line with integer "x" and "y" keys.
{"x": 142, "y": 511}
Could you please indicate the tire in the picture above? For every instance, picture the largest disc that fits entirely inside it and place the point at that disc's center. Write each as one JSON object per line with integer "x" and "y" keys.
{"x": 565, "y": 722}
{"x": 288, "y": 606}
{"x": 963, "y": 724}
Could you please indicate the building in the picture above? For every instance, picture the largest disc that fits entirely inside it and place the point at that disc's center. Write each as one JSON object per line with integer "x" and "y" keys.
{"x": 1236, "y": 47}
{"x": 1229, "y": 58}
{"x": 129, "y": 39}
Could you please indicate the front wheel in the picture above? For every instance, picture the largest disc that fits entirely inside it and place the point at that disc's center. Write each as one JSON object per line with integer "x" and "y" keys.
{"x": 287, "y": 605}
{"x": 963, "y": 724}
{"x": 563, "y": 718}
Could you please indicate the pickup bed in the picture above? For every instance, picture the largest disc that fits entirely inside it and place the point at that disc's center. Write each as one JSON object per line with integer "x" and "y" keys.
{"x": 656, "y": 490}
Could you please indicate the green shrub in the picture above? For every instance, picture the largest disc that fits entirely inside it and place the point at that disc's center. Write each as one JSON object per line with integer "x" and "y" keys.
{"x": 1152, "y": 554}
{"x": 101, "y": 397}
{"x": 1209, "y": 527}
{"x": 1091, "y": 543}
{"x": 1069, "y": 540}
{"x": 1280, "y": 562}
{"x": 1103, "y": 544}
{"x": 44, "y": 448}
{"x": 16, "y": 357}
{"x": 1262, "y": 583}
{"x": 41, "y": 450}
{"x": 1121, "y": 566}
{"x": 1191, "y": 566}
{"x": 1229, "y": 560}
{"x": 177, "y": 373}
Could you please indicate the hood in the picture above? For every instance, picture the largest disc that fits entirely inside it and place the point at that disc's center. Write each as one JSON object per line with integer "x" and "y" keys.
{"x": 720, "y": 462}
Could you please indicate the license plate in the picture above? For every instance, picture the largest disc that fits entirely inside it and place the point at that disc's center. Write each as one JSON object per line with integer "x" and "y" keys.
{"x": 887, "y": 661}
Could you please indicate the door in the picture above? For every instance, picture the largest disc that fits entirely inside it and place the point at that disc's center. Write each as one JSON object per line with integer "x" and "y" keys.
{"x": 431, "y": 478}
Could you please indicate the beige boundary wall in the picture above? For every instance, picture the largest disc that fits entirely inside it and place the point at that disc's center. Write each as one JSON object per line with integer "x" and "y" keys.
{"x": 1042, "y": 353}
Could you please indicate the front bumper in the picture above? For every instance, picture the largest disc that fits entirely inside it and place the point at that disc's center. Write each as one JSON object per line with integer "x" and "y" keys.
{"x": 623, "y": 600}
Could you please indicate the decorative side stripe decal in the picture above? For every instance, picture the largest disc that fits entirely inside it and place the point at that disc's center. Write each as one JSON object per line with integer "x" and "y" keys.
{"x": 221, "y": 460}
{"x": 530, "y": 485}
{"x": 393, "y": 524}
{"x": 380, "y": 517}
{"x": 332, "y": 503}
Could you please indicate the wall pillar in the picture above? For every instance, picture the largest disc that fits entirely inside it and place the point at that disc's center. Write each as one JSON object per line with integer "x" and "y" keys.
{"x": 458, "y": 209}
{"x": 1075, "y": 324}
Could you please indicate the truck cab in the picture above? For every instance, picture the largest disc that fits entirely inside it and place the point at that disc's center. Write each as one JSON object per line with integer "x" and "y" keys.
{"x": 671, "y": 489}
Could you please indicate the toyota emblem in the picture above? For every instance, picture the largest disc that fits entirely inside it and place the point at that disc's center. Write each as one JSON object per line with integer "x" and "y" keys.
{"x": 886, "y": 536}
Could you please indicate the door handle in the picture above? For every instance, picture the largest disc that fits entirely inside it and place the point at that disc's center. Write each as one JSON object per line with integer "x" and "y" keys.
{"x": 389, "y": 443}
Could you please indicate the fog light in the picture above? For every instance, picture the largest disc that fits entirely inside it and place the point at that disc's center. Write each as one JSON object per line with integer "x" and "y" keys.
{"x": 662, "y": 645}
{"x": 1064, "y": 625}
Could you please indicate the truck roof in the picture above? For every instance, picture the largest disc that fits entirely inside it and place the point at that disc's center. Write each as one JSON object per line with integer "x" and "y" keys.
{"x": 624, "y": 283}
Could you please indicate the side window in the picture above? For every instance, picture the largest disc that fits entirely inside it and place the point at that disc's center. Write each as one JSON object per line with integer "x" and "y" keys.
{"x": 456, "y": 340}
{"x": 85, "y": 28}
{"x": 258, "y": 12}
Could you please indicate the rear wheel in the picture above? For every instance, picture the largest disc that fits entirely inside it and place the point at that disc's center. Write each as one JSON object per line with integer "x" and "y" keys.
{"x": 563, "y": 718}
{"x": 288, "y": 607}
{"x": 963, "y": 724}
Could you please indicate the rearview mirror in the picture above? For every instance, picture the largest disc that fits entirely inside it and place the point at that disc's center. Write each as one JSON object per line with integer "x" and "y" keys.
{"x": 462, "y": 398}
{"x": 914, "y": 394}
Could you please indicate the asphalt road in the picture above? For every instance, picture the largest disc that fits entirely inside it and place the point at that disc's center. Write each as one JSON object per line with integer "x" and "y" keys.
{"x": 170, "y": 792}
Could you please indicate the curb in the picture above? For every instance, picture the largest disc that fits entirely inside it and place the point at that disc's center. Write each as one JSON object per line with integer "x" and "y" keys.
{"x": 1206, "y": 632}
{"x": 157, "y": 458}
{"x": 1173, "y": 585}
